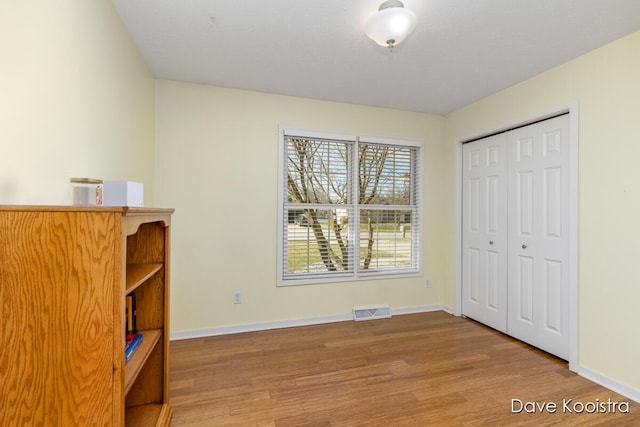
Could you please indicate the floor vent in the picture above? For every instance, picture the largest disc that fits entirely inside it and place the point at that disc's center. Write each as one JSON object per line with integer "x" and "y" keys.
{"x": 370, "y": 313}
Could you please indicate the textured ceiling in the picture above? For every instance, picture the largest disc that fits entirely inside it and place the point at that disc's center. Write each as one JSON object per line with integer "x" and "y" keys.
{"x": 461, "y": 50}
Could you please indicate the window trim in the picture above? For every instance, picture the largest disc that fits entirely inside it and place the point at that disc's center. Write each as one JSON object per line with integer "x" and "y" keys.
{"x": 357, "y": 274}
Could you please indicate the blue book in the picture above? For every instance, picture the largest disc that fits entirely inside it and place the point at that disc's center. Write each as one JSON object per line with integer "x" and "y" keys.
{"x": 131, "y": 347}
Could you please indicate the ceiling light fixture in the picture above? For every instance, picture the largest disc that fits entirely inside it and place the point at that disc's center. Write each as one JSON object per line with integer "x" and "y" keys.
{"x": 391, "y": 24}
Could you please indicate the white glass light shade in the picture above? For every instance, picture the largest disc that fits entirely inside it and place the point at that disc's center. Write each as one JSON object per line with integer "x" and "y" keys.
{"x": 390, "y": 25}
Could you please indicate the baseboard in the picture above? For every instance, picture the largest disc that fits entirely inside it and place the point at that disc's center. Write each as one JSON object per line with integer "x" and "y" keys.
{"x": 612, "y": 385}
{"x": 448, "y": 309}
{"x": 416, "y": 309}
{"x": 254, "y": 327}
{"x": 281, "y": 324}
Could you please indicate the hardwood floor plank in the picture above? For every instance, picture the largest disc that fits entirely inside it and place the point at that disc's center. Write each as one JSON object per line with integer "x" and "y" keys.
{"x": 424, "y": 369}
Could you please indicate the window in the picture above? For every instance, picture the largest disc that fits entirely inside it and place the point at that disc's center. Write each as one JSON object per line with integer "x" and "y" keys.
{"x": 349, "y": 208}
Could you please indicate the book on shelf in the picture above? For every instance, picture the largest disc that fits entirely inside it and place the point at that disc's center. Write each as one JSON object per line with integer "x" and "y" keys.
{"x": 132, "y": 346}
{"x": 130, "y": 311}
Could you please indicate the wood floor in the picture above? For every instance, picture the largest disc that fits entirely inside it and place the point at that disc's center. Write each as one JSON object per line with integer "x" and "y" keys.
{"x": 429, "y": 369}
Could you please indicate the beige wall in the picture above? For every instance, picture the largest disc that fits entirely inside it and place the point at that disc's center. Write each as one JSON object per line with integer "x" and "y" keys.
{"x": 217, "y": 163}
{"x": 606, "y": 84}
{"x": 77, "y": 100}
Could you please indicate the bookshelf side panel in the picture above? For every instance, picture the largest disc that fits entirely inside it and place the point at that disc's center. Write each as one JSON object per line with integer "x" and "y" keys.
{"x": 56, "y": 300}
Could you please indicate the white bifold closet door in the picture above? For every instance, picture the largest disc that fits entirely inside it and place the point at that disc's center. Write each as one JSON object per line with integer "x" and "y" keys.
{"x": 515, "y": 243}
{"x": 484, "y": 236}
{"x": 538, "y": 282}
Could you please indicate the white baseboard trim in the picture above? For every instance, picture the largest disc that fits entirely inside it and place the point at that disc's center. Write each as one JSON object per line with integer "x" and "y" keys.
{"x": 448, "y": 309}
{"x": 612, "y": 385}
{"x": 255, "y": 327}
{"x": 281, "y": 324}
{"x": 416, "y": 310}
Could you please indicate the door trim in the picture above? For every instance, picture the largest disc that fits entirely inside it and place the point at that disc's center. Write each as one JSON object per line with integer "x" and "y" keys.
{"x": 573, "y": 109}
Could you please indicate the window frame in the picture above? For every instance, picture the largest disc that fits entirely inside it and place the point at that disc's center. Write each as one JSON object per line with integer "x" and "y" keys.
{"x": 357, "y": 274}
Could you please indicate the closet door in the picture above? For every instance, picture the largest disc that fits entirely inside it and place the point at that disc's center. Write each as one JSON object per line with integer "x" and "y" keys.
{"x": 538, "y": 245}
{"x": 484, "y": 234}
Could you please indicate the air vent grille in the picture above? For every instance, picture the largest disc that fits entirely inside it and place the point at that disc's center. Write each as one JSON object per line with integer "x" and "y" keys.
{"x": 370, "y": 313}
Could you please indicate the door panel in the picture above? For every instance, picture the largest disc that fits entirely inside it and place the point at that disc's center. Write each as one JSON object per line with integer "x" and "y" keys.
{"x": 538, "y": 243}
{"x": 493, "y": 280}
{"x": 524, "y": 294}
{"x": 484, "y": 261}
{"x": 552, "y": 143}
{"x": 493, "y": 203}
{"x": 474, "y": 276}
{"x": 552, "y": 307}
{"x": 553, "y": 335}
{"x": 524, "y": 203}
{"x": 552, "y": 202}
{"x": 474, "y": 205}
{"x": 525, "y": 148}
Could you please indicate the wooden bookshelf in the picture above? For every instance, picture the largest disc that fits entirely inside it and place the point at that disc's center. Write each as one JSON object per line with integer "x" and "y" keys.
{"x": 65, "y": 273}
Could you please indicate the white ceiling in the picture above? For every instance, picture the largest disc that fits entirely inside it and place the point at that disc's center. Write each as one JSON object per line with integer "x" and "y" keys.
{"x": 461, "y": 50}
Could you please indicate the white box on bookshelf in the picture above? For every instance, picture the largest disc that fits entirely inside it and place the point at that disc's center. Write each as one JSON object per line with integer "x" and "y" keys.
{"x": 123, "y": 193}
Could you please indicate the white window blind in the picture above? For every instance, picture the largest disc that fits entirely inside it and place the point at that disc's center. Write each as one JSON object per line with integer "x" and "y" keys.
{"x": 349, "y": 208}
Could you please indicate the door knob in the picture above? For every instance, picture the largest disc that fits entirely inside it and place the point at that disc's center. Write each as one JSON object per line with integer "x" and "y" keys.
{"x": 491, "y": 242}
{"x": 524, "y": 246}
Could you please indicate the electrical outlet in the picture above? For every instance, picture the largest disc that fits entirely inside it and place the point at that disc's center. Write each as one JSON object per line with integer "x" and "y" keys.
{"x": 427, "y": 283}
{"x": 237, "y": 297}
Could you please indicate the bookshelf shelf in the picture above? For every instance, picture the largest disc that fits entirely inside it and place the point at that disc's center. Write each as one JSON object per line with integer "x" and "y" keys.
{"x": 149, "y": 341}
{"x": 147, "y": 415}
{"x": 137, "y": 274}
{"x": 65, "y": 293}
